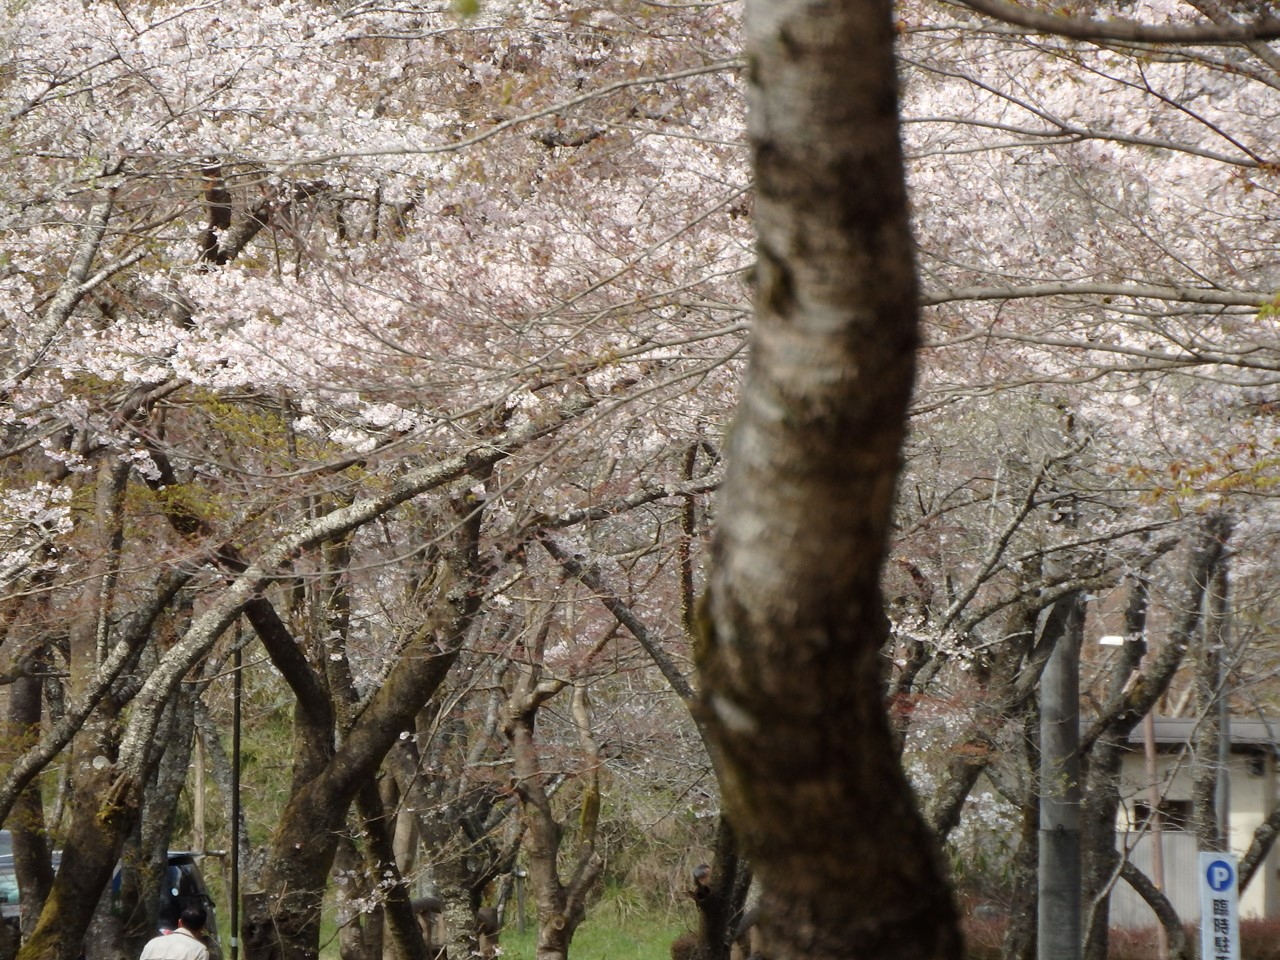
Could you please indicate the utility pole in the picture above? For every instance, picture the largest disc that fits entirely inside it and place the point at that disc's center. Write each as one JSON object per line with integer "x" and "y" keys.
{"x": 237, "y": 695}
{"x": 1154, "y": 823}
{"x": 1219, "y": 624}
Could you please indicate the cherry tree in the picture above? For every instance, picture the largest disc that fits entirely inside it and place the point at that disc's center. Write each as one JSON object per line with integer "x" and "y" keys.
{"x": 323, "y": 315}
{"x": 1112, "y": 282}
{"x": 272, "y": 275}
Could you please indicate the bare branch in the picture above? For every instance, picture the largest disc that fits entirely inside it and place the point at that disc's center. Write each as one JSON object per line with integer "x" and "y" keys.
{"x": 206, "y": 629}
{"x": 1067, "y": 288}
{"x": 78, "y": 282}
{"x": 591, "y": 578}
{"x": 1264, "y": 27}
{"x": 500, "y": 128}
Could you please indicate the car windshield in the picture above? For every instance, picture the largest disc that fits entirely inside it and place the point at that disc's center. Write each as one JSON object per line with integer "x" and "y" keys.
{"x": 8, "y": 880}
{"x": 184, "y": 887}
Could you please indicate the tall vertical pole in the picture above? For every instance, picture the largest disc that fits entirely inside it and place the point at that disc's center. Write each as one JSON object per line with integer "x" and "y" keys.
{"x": 1219, "y": 593}
{"x": 237, "y": 689}
{"x": 198, "y": 840}
{"x": 1155, "y": 825}
{"x": 1222, "y": 791}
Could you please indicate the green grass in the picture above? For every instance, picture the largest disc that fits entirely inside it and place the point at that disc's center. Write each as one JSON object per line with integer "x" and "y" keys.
{"x": 603, "y": 938}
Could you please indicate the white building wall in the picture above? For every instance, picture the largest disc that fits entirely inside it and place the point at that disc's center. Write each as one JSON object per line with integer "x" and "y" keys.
{"x": 1128, "y": 910}
{"x": 1252, "y": 795}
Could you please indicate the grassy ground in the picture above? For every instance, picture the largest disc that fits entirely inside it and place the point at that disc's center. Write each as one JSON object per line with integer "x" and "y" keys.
{"x": 636, "y": 938}
{"x": 607, "y": 936}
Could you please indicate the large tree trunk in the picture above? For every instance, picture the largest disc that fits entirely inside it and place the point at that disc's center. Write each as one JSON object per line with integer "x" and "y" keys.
{"x": 106, "y": 803}
{"x": 282, "y": 921}
{"x": 106, "y": 810}
{"x": 30, "y": 843}
{"x": 1058, "y": 935}
{"x": 1208, "y": 779}
{"x": 792, "y": 688}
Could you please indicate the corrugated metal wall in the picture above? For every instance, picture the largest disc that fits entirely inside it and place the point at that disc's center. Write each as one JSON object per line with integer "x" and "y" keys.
{"x": 1180, "y": 879}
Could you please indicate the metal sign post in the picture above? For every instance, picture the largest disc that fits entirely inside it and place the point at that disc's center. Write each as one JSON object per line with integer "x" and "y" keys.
{"x": 1219, "y": 907}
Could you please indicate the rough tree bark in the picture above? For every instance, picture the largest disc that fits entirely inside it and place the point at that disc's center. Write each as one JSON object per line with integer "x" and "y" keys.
{"x": 1207, "y": 775}
{"x": 103, "y": 810}
{"x": 562, "y": 905}
{"x": 30, "y": 842}
{"x": 1059, "y": 916}
{"x": 792, "y": 691}
{"x": 282, "y": 920}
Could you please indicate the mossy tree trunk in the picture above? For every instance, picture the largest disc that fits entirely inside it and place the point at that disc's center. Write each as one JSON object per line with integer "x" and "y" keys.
{"x": 106, "y": 810}
{"x": 106, "y": 800}
{"x": 282, "y": 919}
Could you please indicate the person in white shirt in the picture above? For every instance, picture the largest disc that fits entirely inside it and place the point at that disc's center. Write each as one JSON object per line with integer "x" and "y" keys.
{"x": 183, "y": 943}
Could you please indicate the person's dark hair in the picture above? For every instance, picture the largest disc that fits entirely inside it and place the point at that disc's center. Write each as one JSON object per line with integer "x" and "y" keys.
{"x": 193, "y": 917}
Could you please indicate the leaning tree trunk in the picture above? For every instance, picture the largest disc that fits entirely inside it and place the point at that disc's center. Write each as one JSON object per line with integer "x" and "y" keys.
{"x": 282, "y": 919}
{"x": 399, "y": 921}
{"x": 562, "y": 904}
{"x": 792, "y": 691}
{"x": 1180, "y": 947}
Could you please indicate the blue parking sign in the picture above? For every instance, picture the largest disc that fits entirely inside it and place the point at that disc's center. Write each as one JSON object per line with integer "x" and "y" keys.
{"x": 1219, "y": 907}
{"x": 1220, "y": 875}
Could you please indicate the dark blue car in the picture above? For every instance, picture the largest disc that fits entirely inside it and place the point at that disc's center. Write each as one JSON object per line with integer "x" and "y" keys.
{"x": 182, "y": 885}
